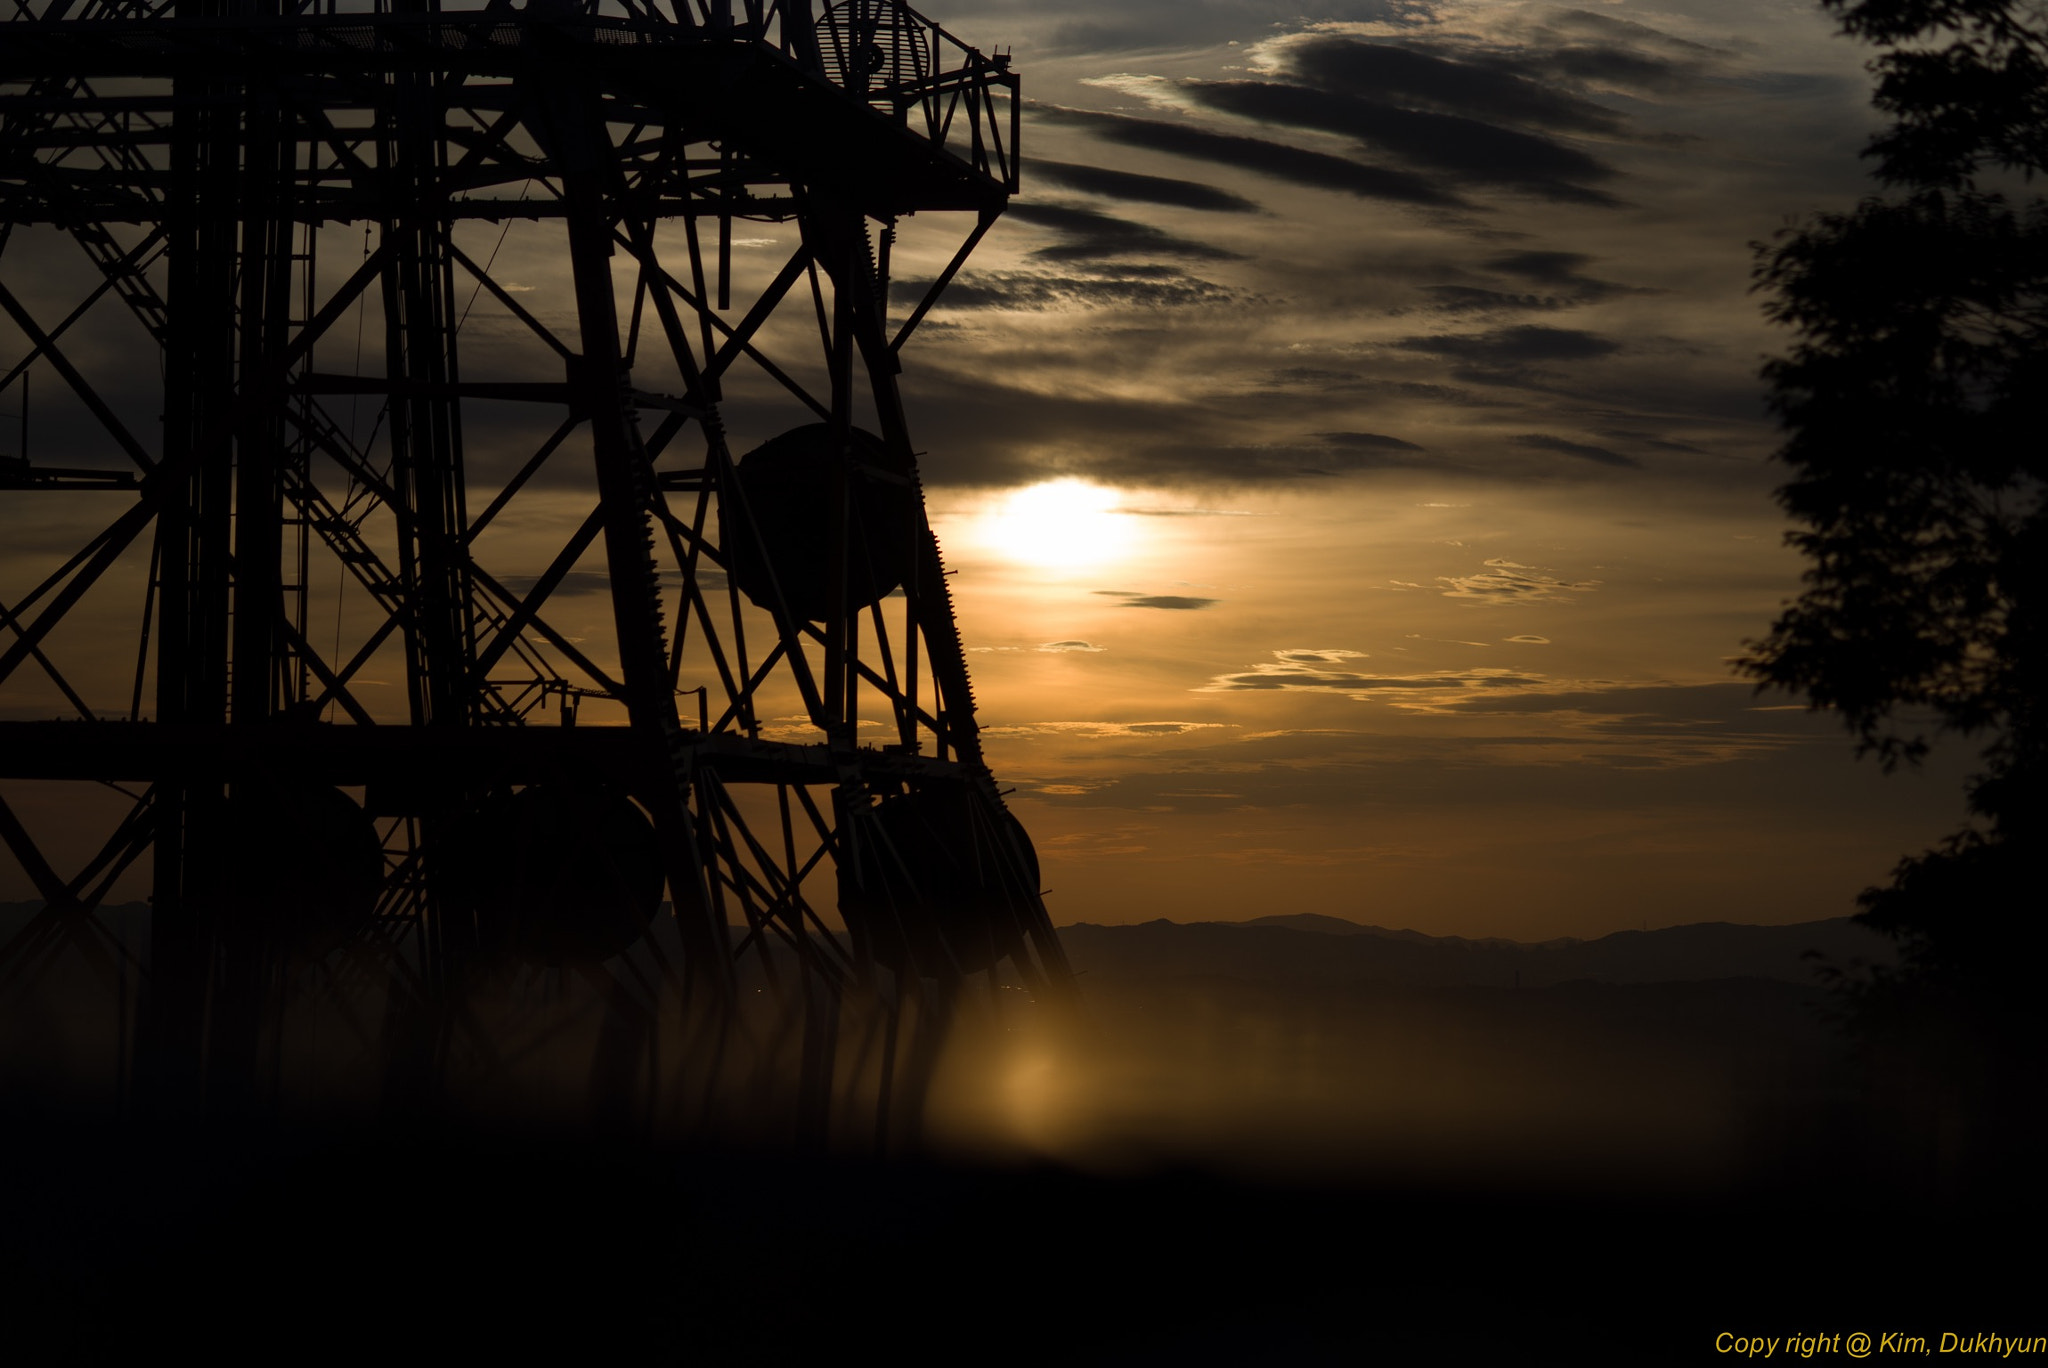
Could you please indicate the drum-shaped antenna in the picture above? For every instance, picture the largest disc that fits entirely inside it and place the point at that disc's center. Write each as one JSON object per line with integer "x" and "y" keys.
{"x": 307, "y": 865}
{"x": 563, "y": 874}
{"x": 784, "y": 521}
{"x": 945, "y": 876}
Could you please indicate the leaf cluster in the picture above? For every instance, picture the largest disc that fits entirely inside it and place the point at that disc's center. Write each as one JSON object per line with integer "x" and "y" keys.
{"x": 1914, "y": 399}
{"x": 1966, "y": 85}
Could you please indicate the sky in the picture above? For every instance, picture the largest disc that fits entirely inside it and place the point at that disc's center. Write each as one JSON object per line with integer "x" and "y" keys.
{"x": 1394, "y": 370}
{"x": 1351, "y": 457}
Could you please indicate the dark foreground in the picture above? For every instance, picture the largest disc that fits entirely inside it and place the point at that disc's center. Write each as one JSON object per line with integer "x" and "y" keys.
{"x": 1291, "y": 1162}
{"x": 124, "y": 1246}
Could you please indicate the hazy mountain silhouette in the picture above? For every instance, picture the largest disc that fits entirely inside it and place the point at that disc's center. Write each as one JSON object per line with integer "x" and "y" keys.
{"x": 1316, "y": 947}
{"x": 1309, "y": 946}
{"x": 1340, "y": 926}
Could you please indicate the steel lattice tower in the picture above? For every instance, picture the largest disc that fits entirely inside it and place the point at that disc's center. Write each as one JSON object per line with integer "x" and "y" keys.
{"x": 293, "y": 207}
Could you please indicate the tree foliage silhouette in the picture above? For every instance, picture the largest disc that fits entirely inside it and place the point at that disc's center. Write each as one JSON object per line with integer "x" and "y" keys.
{"x": 1913, "y": 399}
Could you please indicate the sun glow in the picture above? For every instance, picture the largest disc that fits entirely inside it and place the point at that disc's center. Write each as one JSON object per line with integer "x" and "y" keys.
{"x": 1059, "y": 525}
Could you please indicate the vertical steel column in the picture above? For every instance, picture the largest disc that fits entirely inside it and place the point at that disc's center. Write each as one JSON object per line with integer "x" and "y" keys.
{"x": 194, "y": 508}
{"x": 573, "y": 125}
{"x": 424, "y": 423}
{"x": 424, "y": 430}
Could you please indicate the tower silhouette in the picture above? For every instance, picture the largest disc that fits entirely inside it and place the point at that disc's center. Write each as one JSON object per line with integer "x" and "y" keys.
{"x": 521, "y": 545}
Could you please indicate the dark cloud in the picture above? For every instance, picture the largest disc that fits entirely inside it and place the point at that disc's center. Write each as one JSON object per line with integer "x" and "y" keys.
{"x": 1472, "y": 299}
{"x": 1195, "y": 438}
{"x": 1129, "y": 185}
{"x": 1665, "y": 707}
{"x": 1510, "y": 346}
{"x": 600, "y": 582}
{"x": 572, "y": 582}
{"x": 1088, "y": 234}
{"x": 1122, "y": 286}
{"x": 1331, "y": 458}
{"x": 1128, "y": 511}
{"x": 1538, "y": 441}
{"x": 1451, "y": 144}
{"x": 1172, "y": 601}
{"x": 1336, "y": 457}
{"x": 1322, "y": 380}
{"x": 1478, "y": 89}
{"x": 1370, "y": 440}
{"x": 1279, "y": 160}
{"x": 1108, "y": 438}
{"x": 1609, "y": 64}
{"x": 1131, "y": 35}
{"x": 1565, "y": 285}
{"x": 1652, "y": 441}
{"x": 1578, "y": 46}
{"x": 1132, "y": 26}
{"x": 1347, "y": 452}
{"x": 1579, "y": 21}
{"x": 1560, "y": 271}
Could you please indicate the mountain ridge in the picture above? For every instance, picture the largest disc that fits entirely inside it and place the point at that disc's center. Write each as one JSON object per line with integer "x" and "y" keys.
{"x": 1310, "y": 947}
{"x": 1325, "y": 924}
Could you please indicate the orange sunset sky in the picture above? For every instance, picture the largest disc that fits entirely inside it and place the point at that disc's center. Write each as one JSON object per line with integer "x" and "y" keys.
{"x": 1351, "y": 456}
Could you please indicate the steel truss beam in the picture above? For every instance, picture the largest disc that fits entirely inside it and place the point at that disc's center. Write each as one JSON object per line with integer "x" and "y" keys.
{"x": 243, "y": 146}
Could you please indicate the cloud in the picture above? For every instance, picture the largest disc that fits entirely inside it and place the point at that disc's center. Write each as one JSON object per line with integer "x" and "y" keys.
{"x": 1322, "y": 380}
{"x": 800, "y": 727}
{"x": 1530, "y": 67}
{"x": 1121, "y": 285}
{"x": 1450, "y": 144}
{"x": 1508, "y": 346}
{"x": 1129, "y": 185}
{"x": 1474, "y": 299}
{"x": 1580, "y": 47}
{"x": 1558, "y": 269}
{"x": 1553, "y": 745}
{"x": 1373, "y": 441}
{"x": 1173, "y": 601}
{"x": 1327, "y": 671}
{"x": 1649, "y": 709}
{"x": 1564, "y": 285}
{"x": 1651, "y": 440}
{"x": 1177, "y": 25}
{"x": 1088, "y": 234}
{"x": 1506, "y": 581}
{"x": 1105, "y": 730}
{"x": 1186, "y": 512}
{"x": 1538, "y": 441}
{"x": 1527, "y": 640}
{"x": 1346, "y": 452}
{"x": 579, "y": 581}
{"x": 1061, "y": 646}
{"x": 1279, "y": 160}
{"x": 1413, "y": 72}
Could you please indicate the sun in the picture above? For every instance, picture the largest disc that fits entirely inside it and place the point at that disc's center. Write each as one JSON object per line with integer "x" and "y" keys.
{"x": 1059, "y": 525}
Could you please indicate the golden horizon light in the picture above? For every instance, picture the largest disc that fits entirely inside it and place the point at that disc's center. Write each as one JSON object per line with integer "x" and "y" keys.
{"x": 1064, "y": 525}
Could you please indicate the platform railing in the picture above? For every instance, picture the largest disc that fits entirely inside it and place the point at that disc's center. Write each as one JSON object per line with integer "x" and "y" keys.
{"x": 888, "y": 55}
